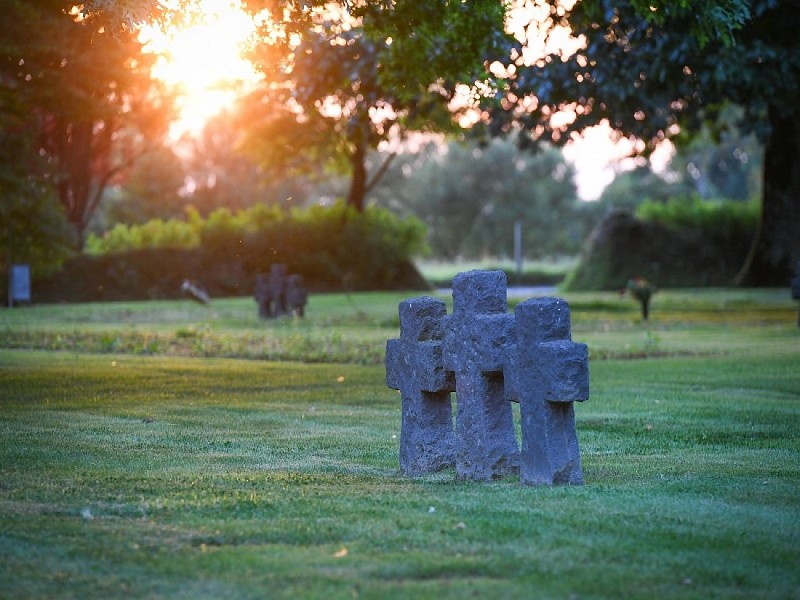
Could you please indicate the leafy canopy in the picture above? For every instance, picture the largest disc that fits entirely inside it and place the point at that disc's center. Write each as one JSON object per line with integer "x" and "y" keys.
{"x": 340, "y": 82}
{"x": 84, "y": 101}
{"x": 639, "y": 70}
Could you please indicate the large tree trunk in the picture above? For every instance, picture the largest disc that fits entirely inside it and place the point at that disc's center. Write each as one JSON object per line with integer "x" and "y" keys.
{"x": 358, "y": 181}
{"x": 776, "y": 247}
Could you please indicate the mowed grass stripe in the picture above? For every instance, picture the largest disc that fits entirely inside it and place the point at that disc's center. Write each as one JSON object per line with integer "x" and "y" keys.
{"x": 174, "y": 477}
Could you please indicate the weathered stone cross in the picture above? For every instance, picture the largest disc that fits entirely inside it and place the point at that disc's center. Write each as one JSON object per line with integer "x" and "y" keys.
{"x": 547, "y": 373}
{"x": 476, "y": 338}
{"x": 414, "y": 366}
{"x": 488, "y": 357}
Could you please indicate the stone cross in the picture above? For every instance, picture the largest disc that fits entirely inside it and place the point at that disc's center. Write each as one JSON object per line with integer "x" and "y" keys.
{"x": 476, "y": 338}
{"x": 280, "y": 293}
{"x": 488, "y": 357}
{"x": 414, "y": 366}
{"x": 276, "y": 285}
{"x": 547, "y": 372}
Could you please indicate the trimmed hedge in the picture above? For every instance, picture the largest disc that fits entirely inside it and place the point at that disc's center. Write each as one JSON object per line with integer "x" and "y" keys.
{"x": 623, "y": 246}
{"x": 333, "y": 248}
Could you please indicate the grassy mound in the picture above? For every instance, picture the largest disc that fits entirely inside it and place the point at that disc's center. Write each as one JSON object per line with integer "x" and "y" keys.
{"x": 623, "y": 246}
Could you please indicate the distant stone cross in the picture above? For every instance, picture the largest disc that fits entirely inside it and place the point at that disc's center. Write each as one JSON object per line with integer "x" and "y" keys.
{"x": 279, "y": 293}
{"x": 489, "y": 357}
{"x": 414, "y": 366}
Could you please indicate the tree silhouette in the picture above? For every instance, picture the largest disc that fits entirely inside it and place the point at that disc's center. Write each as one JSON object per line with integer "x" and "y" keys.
{"x": 83, "y": 97}
{"x": 658, "y": 70}
{"x": 342, "y": 85}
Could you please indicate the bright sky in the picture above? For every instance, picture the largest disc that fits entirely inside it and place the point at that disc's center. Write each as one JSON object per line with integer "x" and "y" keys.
{"x": 596, "y": 158}
{"x": 205, "y": 63}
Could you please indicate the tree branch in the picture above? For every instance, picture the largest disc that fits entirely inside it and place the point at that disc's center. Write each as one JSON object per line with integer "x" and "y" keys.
{"x": 379, "y": 173}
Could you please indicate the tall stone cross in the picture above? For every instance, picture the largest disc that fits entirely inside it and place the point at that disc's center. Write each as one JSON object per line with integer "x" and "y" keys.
{"x": 547, "y": 372}
{"x": 476, "y": 338}
{"x": 414, "y": 366}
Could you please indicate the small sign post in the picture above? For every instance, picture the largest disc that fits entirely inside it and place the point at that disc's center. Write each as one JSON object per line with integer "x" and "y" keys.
{"x": 19, "y": 285}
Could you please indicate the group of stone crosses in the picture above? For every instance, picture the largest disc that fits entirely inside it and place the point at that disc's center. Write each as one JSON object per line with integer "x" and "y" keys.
{"x": 280, "y": 293}
{"x": 488, "y": 357}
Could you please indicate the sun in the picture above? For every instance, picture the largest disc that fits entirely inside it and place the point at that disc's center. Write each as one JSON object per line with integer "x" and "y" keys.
{"x": 203, "y": 62}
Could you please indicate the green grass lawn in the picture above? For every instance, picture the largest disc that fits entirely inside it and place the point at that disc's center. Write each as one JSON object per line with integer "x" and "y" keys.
{"x": 353, "y": 328}
{"x": 533, "y": 271}
{"x": 171, "y": 471}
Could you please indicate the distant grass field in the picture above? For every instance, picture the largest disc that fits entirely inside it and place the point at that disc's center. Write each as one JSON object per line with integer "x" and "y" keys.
{"x": 344, "y": 328}
{"x": 167, "y": 470}
{"x": 534, "y": 272}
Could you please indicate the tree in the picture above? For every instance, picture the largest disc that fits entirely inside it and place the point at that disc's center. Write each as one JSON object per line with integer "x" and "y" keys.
{"x": 631, "y": 188}
{"x": 33, "y": 229}
{"x": 720, "y": 162}
{"x": 470, "y": 196}
{"x": 151, "y": 189}
{"x": 639, "y": 70}
{"x": 340, "y": 85}
{"x": 221, "y": 174}
{"x": 83, "y": 96}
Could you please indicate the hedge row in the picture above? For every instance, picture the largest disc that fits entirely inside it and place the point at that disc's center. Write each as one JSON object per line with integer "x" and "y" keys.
{"x": 667, "y": 250}
{"x": 333, "y": 248}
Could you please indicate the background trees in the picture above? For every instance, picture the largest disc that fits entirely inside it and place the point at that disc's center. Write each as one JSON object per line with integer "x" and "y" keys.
{"x": 469, "y": 196}
{"x": 83, "y": 98}
{"x": 347, "y": 80}
{"x": 640, "y": 70}
{"x": 340, "y": 84}
{"x": 33, "y": 228}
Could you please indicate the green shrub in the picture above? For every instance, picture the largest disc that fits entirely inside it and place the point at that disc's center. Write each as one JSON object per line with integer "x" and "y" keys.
{"x": 718, "y": 219}
{"x": 334, "y": 248}
{"x": 314, "y": 228}
{"x": 152, "y": 234}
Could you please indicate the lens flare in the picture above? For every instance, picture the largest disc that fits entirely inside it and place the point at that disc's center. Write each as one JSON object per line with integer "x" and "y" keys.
{"x": 203, "y": 61}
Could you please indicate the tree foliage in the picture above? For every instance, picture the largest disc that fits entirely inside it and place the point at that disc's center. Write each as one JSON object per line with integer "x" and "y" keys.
{"x": 33, "y": 227}
{"x": 82, "y": 96}
{"x": 650, "y": 79}
{"x": 639, "y": 70}
{"x": 718, "y": 163}
{"x": 340, "y": 85}
{"x": 470, "y": 196}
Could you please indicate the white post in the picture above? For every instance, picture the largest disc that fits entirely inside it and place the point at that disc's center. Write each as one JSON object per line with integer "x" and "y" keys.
{"x": 518, "y": 247}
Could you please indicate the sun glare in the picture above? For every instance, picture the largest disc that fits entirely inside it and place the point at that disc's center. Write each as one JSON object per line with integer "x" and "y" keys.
{"x": 203, "y": 62}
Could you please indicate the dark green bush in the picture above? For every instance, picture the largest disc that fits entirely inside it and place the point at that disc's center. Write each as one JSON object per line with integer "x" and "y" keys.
{"x": 334, "y": 248}
{"x": 719, "y": 220}
{"x": 680, "y": 243}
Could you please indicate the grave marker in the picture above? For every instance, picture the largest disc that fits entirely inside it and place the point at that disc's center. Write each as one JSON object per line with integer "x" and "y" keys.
{"x": 548, "y": 373}
{"x": 19, "y": 285}
{"x": 489, "y": 357}
{"x": 476, "y": 337}
{"x": 280, "y": 293}
{"x": 414, "y": 366}
{"x": 195, "y": 292}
